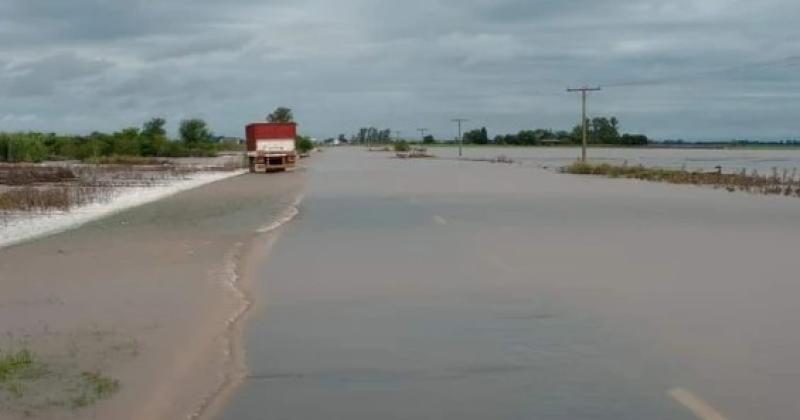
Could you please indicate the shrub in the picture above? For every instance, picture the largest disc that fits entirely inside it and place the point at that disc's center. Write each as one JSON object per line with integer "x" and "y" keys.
{"x": 304, "y": 144}
{"x": 402, "y": 146}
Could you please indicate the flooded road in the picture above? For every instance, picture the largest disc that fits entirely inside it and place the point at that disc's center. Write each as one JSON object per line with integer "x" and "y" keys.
{"x": 464, "y": 290}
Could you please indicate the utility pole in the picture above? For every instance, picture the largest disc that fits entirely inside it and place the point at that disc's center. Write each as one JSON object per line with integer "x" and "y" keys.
{"x": 397, "y": 135}
{"x": 422, "y": 132}
{"x": 460, "y": 138}
{"x": 584, "y": 90}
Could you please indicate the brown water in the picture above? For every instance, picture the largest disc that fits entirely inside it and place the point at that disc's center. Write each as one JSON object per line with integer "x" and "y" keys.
{"x": 457, "y": 290}
{"x": 144, "y": 296}
{"x": 731, "y": 160}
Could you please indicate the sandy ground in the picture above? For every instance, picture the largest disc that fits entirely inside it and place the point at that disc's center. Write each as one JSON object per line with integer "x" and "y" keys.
{"x": 145, "y": 296}
{"x": 455, "y": 290}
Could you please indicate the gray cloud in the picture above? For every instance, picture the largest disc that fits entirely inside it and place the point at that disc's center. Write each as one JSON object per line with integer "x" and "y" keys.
{"x": 672, "y": 68}
{"x": 43, "y": 76}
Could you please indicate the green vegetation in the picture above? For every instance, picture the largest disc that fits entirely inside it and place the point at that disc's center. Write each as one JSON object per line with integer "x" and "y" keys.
{"x": 402, "y": 146}
{"x": 371, "y": 135}
{"x": 779, "y": 183}
{"x": 480, "y": 136}
{"x": 93, "y": 387}
{"x": 304, "y": 144}
{"x": 281, "y": 115}
{"x": 18, "y": 368}
{"x": 601, "y": 130}
{"x": 151, "y": 141}
{"x": 23, "y": 375}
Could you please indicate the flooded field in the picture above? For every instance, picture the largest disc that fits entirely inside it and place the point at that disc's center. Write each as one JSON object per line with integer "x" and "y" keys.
{"x": 417, "y": 289}
{"x": 731, "y": 160}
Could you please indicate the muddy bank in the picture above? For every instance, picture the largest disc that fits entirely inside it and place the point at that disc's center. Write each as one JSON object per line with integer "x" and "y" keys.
{"x": 146, "y": 296}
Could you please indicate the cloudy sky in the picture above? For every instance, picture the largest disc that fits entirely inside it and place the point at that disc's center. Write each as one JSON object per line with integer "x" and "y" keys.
{"x": 694, "y": 69}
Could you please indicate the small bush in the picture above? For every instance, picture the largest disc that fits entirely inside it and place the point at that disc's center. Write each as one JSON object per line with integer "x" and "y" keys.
{"x": 126, "y": 160}
{"x": 304, "y": 144}
{"x": 402, "y": 146}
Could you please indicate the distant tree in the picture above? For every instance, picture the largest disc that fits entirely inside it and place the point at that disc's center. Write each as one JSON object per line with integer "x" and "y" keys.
{"x": 343, "y": 139}
{"x": 281, "y": 115}
{"x": 429, "y": 139}
{"x": 562, "y": 135}
{"x": 372, "y": 135}
{"x": 153, "y": 137}
{"x": 604, "y": 131}
{"x": 634, "y": 140}
{"x": 126, "y": 142}
{"x": 528, "y": 138}
{"x": 480, "y": 136}
{"x": 195, "y": 132}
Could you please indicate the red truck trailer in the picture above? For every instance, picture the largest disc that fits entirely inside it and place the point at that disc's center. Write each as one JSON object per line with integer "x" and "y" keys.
{"x": 271, "y": 146}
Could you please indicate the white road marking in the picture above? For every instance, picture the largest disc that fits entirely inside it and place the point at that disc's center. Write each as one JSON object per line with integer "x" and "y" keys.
{"x": 700, "y": 408}
{"x": 440, "y": 220}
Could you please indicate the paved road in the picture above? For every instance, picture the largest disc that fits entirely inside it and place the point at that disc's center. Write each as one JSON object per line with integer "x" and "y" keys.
{"x": 455, "y": 290}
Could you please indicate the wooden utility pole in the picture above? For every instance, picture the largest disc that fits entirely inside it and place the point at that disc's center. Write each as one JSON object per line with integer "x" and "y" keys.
{"x": 460, "y": 137}
{"x": 584, "y": 90}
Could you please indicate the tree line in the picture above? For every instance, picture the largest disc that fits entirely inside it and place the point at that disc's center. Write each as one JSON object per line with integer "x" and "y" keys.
{"x": 600, "y": 130}
{"x": 151, "y": 140}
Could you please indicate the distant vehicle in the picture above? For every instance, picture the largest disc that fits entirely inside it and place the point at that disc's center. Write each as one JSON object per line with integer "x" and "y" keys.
{"x": 271, "y": 146}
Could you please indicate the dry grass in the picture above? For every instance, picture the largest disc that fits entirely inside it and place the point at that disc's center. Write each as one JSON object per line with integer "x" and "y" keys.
{"x": 37, "y": 188}
{"x": 42, "y": 189}
{"x": 128, "y": 160}
{"x": 783, "y": 182}
{"x": 30, "y": 174}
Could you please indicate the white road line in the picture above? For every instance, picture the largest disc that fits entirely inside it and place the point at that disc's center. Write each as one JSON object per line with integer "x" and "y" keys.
{"x": 440, "y": 220}
{"x": 700, "y": 408}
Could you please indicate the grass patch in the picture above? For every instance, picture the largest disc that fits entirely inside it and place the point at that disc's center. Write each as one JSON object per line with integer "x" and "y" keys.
{"x": 94, "y": 386}
{"x": 30, "y": 174}
{"x": 783, "y": 182}
{"x": 27, "y": 382}
{"x": 17, "y": 369}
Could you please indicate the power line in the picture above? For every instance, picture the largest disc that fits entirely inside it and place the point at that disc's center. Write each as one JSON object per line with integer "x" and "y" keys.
{"x": 460, "y": 138}
{"x": 584, "y": 90}
{"x": 422, "y": 132}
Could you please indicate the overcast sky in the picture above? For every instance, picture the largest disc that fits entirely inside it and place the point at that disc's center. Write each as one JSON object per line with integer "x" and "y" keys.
{"x": 694, "y": 69}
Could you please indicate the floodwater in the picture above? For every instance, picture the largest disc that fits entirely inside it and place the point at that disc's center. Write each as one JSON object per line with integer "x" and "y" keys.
{"x": 439, "y": 289}
{"x": 732, "y": 160}
{"x": 145, "y": 296}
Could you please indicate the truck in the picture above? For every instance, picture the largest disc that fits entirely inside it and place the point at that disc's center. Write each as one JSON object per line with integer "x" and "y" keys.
{"x": 271, "y": 146}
